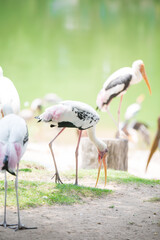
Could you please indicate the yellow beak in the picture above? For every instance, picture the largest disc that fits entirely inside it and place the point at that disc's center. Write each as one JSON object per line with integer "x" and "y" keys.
{"x": 2, "y": 113}
{"x": 142, "y": 69}
{"x": 100, "y": 160}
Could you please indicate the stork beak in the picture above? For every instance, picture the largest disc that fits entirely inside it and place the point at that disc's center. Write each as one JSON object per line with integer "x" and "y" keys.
{"x": 153, "y": 148}
{"x": 100, "y": 160}
{"x": 2, "y": 113}
{"x": 142, "y": 70}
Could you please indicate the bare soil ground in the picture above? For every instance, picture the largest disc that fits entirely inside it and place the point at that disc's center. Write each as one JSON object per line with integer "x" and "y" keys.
{"x": 125, "y": 214}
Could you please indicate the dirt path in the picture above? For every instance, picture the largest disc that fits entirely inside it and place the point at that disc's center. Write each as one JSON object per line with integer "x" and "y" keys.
{"x": 124, "y": 215}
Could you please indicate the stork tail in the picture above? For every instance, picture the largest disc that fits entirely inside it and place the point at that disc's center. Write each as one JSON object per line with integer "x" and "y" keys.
{"x": 5, "y": 166}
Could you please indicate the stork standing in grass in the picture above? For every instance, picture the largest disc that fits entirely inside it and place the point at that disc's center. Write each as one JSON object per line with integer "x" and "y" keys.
{"x": 118, "y": 83}
{"x": 13, "y": 142}
{"x": 73, "y": 114}
{"x": 155, "y": 144}
{"x": 8, "y": 93}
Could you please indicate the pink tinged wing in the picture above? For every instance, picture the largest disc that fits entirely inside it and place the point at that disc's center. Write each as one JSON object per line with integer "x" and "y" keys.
{"x": 14, "y": 153}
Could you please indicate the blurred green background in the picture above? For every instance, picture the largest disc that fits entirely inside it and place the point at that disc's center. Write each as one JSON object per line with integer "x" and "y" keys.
{"x": 69, "y": 47}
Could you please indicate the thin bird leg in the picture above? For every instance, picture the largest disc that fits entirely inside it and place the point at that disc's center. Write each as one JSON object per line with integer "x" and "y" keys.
{"x": 56, "y": 175}
{"x": 111, "y": 116}
{"x": 4, "y": 224}
{"x": 76, "y": 153}
{"x": 5, "y": 200}
{"x": 19, "y": 226}
{"x": 119, "y": 110}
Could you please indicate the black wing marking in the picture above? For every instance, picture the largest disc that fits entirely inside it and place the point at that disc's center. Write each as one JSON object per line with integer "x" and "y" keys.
{"x": 85, "y": 115}
{"x": 26, "y": 137}
{"x": 71, "y": 125}
{"x": 118, "y": 81}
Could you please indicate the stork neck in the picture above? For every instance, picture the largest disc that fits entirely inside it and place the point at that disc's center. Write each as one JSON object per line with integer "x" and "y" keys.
{"x": 137, "y": 77}
{"x": 97, "y": 142}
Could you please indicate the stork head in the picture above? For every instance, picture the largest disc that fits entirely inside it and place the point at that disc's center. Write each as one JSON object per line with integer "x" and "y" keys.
{"x": 101, "y": 99}
{"x": 102, "y": 158}
{"x": 102, "y": 151}
{"x": 139, "y": 66}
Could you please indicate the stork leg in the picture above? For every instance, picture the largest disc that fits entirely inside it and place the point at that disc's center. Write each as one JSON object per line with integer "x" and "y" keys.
{"x": 119, "y": 110}
{"x": 19, "y": 226}
{"x": 4, "y": 224}
{"x": 76, "y": 154}
{"x": 111, "y": 116}
{"x": 56, "y": 175}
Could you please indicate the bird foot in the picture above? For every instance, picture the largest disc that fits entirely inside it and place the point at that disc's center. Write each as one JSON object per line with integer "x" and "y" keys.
{"x": 17, "y": 227}
{"x": 57, "y": 178}
{"x": 5, "y": 225}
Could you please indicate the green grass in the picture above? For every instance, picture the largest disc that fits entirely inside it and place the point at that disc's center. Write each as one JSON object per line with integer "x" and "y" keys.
{"x": 113, "y": 176}
{"x": 154, "y": 199}
{"x": 33, "y": 194}
{"x": 38, "y": 191}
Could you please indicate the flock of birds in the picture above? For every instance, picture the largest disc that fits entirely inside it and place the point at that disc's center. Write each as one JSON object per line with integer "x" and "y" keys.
{"x": 65, "y": 114}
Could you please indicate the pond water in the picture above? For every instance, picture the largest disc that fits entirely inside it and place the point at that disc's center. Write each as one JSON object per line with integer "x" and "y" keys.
{"x": 69, "y": 47}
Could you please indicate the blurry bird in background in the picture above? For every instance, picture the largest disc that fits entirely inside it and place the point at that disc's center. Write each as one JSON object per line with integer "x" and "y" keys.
{"x": 51, "y": 99}
{"x": 37, "y": 105}
{"x": 13, "y": 142}
{"x": 155, "y": 144}
{"x": 8, "y": 93}
{"x": 132, "y": 128}
{"x": 117, "y": 85}
{"x": 133, "y": 109}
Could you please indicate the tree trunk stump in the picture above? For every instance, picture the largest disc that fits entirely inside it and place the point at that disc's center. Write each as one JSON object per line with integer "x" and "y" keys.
{"x": 117, "y": 157}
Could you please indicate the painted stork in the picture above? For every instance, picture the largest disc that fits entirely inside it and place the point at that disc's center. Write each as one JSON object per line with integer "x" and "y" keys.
{"x": 155, "y": 144}
{"x": 133, "y": 109}
{"x": 13, "y": 142}
{"x": 51, "y": 99}
{"x": 74, "y": 114}
{"x": 118, "y": 83}
{"x": 130, "y": 126}
{"x": 8, "y": 93}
